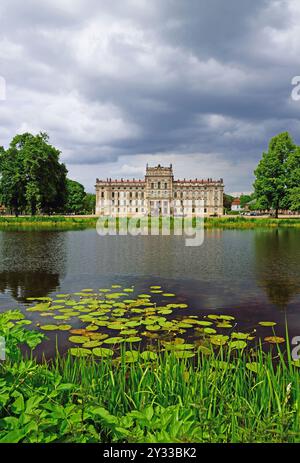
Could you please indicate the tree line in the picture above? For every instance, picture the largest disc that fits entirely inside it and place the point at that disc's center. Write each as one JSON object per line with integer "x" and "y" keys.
{"x": 277, "y": 184}
{"x": 277, "y": 179}
{"x": 34, "y": 181}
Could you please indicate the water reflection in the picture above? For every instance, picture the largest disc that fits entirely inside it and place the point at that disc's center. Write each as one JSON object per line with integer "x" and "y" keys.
{"x": 31, "y": 264}
{"x": 277, "y": 264}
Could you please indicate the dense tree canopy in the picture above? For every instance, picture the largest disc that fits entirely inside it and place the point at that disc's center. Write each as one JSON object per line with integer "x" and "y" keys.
{"x": 278, "y": 175}
{"x": 75, "y": 197}
{"x": 89, "y": 203}
{"x": 227, "y": 201}
{"x": 32, "y": 178}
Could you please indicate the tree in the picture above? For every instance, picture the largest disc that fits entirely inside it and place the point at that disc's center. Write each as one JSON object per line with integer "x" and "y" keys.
{"x": 75, "y": 197}
{"x": 227, "y": 201}
{"x": 294, "y": 199}
{"x": 89, "y": 203}
{"x": 245, "y": 199}
{"x": 32, "y": 176}
{"x": 12, "y": 181}
{"x": 272, "y": 179}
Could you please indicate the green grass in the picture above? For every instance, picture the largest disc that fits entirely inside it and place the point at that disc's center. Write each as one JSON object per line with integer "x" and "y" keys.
{"x": 222, "y": 397}
{"x": 78, "y": 223}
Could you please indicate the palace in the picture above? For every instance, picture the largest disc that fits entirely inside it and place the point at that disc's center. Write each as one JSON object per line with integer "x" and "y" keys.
{"x": 158, "y": 192}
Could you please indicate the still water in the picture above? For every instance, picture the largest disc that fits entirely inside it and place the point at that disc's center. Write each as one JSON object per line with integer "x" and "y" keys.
{"x": 251, "y": 274}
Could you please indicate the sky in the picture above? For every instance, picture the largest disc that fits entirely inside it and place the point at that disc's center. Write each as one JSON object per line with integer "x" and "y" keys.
{"x": 201, "y": 84}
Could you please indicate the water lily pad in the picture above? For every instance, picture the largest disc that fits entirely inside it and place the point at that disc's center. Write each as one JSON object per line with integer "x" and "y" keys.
{"x": 152, "y": 327}
{"x": 23, "y": 322}
{"x": 183, "y": 346}
{"x": 274, "y": 339}
{"x": 131, "y": 356}
{"x": 133, "y": 339}
{"x": 209, "y": 330}
{"x": 149, "y": 355}
{"x": 184, "y": 354}
{"x": 114, "y": 340}
{"x": 92, "y": 344}
{"x": 237, "y": 344}
{"x": 78, "y": 339}
{"x": 115, "y": 326}
{"x": 236, "y": 335}
{"x": 224, "y": 325}
{"x": 92, "y": 327}
{"x": 49, "y": 327}
{"x": 254, "y": 366}
{"x": 102, "y": 352}
{"x": 79, "y": 352}
{"x": 64, "y": 327}
{"x": 205, "y": 350}
{"x": 267, "y": 323}
{"x": 213, "y": 317}
{"x": 184, "y": 325}
{"x": 169, "y": 295}
{"x": 219, "y": 339}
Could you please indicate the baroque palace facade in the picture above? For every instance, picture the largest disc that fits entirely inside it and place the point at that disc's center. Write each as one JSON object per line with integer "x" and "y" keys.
{"x": 159, "y": 194}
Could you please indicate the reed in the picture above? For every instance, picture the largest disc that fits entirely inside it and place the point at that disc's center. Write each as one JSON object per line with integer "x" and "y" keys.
{"x": 222, "y": 397}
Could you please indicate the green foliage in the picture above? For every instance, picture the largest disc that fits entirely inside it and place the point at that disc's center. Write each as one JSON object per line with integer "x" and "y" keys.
{"x": 294, "y": 199}
{"x": 277, "y": 174}
{"x": 89, "y": 203}
{"x": 75, "y": 197}
{"x": 32, "y": 178}
{"x": 227, "y": 201}
{"x": 146, "y": 397}
{"x": 245, "y": 199}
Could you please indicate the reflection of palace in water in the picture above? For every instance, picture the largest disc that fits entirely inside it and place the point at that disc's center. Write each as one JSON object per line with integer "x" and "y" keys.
{"x": 31, "y": 264}
{"x": 159, "y": 192}
{"x": 278, "y": 264}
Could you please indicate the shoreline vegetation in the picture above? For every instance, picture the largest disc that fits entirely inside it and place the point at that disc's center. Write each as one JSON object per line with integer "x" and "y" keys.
{"x": 218, "y": 389}
{"x": 214, "y": 398}
{"x": 48, "y": 223}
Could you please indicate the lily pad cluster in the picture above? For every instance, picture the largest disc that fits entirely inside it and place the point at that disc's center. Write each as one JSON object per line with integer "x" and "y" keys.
{"x": 101, "y": 322}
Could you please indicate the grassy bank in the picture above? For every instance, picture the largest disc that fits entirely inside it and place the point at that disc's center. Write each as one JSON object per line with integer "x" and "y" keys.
{"x": 222, "y": 395}
{"x": 81, "y": 222}
{"x": 160, "y": 400}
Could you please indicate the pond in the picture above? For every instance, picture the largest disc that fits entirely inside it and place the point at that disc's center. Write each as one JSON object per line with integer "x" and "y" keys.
{"x": 253, "y": 275}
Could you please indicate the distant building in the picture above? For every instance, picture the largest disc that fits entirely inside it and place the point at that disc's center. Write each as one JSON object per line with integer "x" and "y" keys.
{"x": 236, "y": 205}
{"x": 158, "y": 191}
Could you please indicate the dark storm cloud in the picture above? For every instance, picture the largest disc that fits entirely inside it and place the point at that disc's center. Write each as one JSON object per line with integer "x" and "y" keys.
{"x": 115, "y": 82}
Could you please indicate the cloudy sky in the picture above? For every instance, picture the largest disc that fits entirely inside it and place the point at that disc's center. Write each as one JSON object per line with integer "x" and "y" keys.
{"x": 203, "y": 84}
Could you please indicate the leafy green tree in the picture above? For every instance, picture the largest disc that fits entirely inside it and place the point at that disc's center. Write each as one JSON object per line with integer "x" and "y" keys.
{"x": 245, "y": 199}
{"x": 89, "y": 203}
{"x": 227, "y": 201}
{"x": 294, "y": 199}
{"x": 32, "y": 176}
{"x": 12, "y": 181}
{"x": 272, "y": 179}
{"x": 75, "y": 197}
